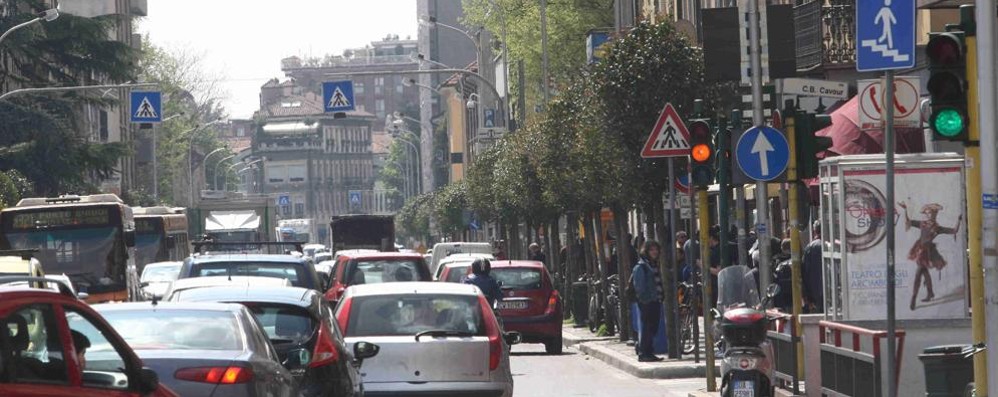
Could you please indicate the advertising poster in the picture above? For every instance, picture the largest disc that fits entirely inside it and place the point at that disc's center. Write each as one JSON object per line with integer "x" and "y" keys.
{"x": 930, "y": 244}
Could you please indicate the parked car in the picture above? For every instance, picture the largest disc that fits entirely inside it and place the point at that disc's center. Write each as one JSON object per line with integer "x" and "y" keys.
{"x": 530, "y": 303}
{"x": 310, "y": 250}
{"x": 464, "y": 259}
{"x": 443, "y": 250}
{"x": 299, "y": 272}
{"x": 157, "y": 277}
{"x": 454, "y": 272}
{"x": 436, "y": 339}
{"x": 375, "y": 268}
{"x": 38, "y": 348}
{"x": 301, "y": 326}
{"x": 202, "y": 349}
{"x": 183, "y": 285}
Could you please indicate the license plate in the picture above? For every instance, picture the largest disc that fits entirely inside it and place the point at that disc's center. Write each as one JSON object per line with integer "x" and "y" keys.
{"x": 514, "y": 305}
{"x": 744, "y": 388}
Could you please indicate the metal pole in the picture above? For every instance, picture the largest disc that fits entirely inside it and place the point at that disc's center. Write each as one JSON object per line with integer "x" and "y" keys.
{"x": 708, "y": 322}
{"x": 889, "y": 219}
{"x": 789, "y": 123}
{"x": 43, "y": 90}
{"x": 762, "y": 228}
{"x": 675, "y": 351}
{"x": 19, "y": 26}
{"x": 155, "y": 168}
{"x": 544, "y": 56}
{"x": 987, "y": 97}
{"x": 214, "y": 176}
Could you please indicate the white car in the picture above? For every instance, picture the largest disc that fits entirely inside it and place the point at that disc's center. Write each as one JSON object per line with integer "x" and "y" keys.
{"x": 184, "y": 284}
{"x": 435, "y": 339}
{"x": 156, "y": 278}
{"x": 463, "y": 259}
{"x": 444, "y": 250}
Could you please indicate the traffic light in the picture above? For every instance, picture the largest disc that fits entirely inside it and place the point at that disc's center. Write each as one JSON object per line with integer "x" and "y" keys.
{"x": 808, "y": 144}
{"x": 701, "y": 154}
{"x": 948, "y": 85}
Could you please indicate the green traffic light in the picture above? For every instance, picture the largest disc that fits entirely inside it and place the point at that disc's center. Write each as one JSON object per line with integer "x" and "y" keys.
{"x": 948, "y": 123}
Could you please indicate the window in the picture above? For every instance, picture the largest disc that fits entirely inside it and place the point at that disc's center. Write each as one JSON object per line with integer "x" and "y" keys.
{"x": 396, "y": 315}
{"x": 379, "y": 83}
{"x": 103, "y": 366}
{"x": 177, "y": 329}
{"x": 299, "y": 209}
{"x": 296, "y": 173}
{"x": 102, "y": 126}
{"x": 399, "y": 88}
{"x": 241, "y": 131}
{"x": 32, "y": 342}
{"x": 293, "y": 272}
{"x": 358, "y": 88}
{"x": 286, "y": 209}
{"x": 277, "y": 173}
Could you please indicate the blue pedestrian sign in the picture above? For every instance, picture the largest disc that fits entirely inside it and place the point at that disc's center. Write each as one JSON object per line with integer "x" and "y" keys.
{"x": 354, "y": 197}
{"x": 284, "y": 200}
{"x": 337, "y": 96}
{"x": 885, "y": 35}
{"x": 762, "y": 153}
{"x": 147, "y": 107}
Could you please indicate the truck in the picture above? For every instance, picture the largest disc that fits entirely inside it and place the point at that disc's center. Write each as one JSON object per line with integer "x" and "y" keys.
{"x": 375, "y": 232}
{"x": 234, "y": 217}
{"x": 299, "y": 230}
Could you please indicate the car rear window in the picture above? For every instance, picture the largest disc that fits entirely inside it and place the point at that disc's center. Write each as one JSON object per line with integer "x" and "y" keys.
{"x": 293, "y": 272}
{"x": 398, "y": 315}
{"x": 177, "y": 329}
{"x": 518, "y": 277}
{"x": 456, "y": 274}
{"x": 283, "y": 323}
{"x": 375, "y": 271}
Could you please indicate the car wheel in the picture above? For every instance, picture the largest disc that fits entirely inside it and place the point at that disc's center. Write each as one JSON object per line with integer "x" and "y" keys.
{"x": 554, "y": 346}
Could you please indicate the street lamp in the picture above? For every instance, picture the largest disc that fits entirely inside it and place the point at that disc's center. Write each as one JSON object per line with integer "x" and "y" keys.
{"x": 47, "y": 16}
{"x": 472, "y": 101}
{"x": 225, "y": 176}
{"x": 214, "y": 176}
{"x": 190, "y": 156}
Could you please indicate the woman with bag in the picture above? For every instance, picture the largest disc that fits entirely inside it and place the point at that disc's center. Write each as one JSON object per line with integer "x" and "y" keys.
{"x": 647, "y": 282}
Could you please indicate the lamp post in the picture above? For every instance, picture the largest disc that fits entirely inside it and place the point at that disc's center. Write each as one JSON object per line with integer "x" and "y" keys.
{"x": 225, "y": 176}
{"x": 214, "y": 176}
{"x": 431, "y": 22}
{"x": 47, "y": 16}
{"x": 205, "y": 161}
{"x": 190, "y": 156}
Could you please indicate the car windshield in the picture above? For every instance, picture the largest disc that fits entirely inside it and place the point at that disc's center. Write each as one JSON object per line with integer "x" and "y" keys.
{"x": 457, "y": 273}
{"x": 396, "y": 315}
{"x": 517, "y": 277}
{"x": 290, "y": 271}
{"x": 160, "y": 273}
{"x": 283, "y": 323}
{"x": 176, "y": 329}
{"x": 375, "y": 271}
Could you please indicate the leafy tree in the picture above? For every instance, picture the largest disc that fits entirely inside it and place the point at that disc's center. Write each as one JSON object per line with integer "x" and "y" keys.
{"x": 449, "y": 205}
{"x": 413, "y": 219}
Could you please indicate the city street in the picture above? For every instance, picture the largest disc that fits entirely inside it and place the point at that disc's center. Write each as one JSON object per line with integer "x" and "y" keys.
{"x": 575, "y": 374}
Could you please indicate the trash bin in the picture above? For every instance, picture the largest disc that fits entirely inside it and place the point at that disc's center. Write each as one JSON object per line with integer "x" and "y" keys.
{"x": 660, "y": 343}
{"x": 948, "y": 370}
{"x": 580, "y": 303}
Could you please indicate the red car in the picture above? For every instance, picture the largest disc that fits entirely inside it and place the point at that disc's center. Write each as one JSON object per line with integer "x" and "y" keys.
{"x": 530, "y": 304}
{"x": 373, "y": 268}
{"x": 53, "y": 344}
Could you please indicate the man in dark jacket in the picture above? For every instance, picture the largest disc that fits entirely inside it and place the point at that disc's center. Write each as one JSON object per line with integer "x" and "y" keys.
{"x": 481, "y": 278}
{"x": 814, "y": 300}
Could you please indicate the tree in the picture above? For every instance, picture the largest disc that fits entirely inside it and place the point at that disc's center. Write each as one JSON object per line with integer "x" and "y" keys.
{"x": 450, "y": 204}
{"x": 413, "y": 219}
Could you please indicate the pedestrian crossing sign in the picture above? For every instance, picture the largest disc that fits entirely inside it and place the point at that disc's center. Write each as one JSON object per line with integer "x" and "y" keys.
{"x": 337, "y": 96}
{"x": 669, "y": 138}
{"x": 147, "y": 107}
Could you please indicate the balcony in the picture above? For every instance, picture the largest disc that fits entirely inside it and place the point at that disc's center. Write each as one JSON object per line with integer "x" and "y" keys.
{"x": 825, "y": 34}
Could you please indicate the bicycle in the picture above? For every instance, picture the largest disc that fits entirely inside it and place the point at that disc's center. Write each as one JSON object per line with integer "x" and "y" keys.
{"x": 691, "y": 293}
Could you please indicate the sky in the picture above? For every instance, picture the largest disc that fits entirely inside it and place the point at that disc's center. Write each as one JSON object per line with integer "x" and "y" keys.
{"x": 245, "y": 40}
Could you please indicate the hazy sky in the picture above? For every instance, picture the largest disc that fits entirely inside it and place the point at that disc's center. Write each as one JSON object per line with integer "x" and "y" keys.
{"x": 245, "y": 40}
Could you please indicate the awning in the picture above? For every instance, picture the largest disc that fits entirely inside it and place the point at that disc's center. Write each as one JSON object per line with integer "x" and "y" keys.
{"x": 847, "y": 138}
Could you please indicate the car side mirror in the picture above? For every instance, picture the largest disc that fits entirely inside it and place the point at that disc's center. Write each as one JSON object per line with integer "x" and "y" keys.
{"x": 82, "y": 296}
{"x": 148, "y": 381}
{"x": 365, "y": 350}
{"x": 297, "y": 358}
{"x": 513, "y": 338}
{"x": 143, "y": 284}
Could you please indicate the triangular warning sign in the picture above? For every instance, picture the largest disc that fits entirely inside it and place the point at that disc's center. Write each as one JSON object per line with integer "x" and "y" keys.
{"x": 669, "y": 138}
{"x": 338, "y": 100}
{"x": 146, "y": 110}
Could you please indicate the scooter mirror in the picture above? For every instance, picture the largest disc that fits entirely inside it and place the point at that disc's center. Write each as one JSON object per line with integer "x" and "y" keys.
{"x": 715, "y": 313}
{"x": 772, "y": 290}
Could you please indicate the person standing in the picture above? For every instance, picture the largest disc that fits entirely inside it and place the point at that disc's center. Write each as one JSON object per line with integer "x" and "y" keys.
{"x": 648, "y": 288}
{"x": 811, "y": 273}
{"x": 536, "y": 254}
{"x": 681, "y": 238}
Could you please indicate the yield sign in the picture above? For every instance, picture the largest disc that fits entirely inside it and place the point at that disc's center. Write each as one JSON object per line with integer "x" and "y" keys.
{"x": 669, "y": 138}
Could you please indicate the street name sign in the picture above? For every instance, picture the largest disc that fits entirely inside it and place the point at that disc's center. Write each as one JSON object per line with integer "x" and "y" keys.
{"x": 146, "y": 107}
{"x": 885, "y": 35}
{"x": 762, "y": 153}
{"x": 813, "y": 88}
{"x": 907, "y": 105}
{"x": 337, "y": 96}
{"x": 669, "y": 138}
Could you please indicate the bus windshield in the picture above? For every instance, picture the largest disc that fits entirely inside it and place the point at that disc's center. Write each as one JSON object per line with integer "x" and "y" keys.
{"x": 147, "y": 248}
{"x": 84, "y": 254}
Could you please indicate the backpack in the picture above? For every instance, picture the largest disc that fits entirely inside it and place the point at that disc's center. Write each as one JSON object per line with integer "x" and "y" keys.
{"x": 630, "y": 293}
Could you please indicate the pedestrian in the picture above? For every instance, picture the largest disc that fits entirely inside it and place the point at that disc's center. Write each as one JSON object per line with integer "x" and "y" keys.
{"x": 536, "y": 254}
{"x": 783, "y": 277}
{"x": 481, "y": 277}
{"x": 691, "y": 251}
{"x": 811, "y": 273}
{"x": 681, "y": 238}
{"x": 714, "y": 259}
{"x": 648, "y": 288}
{"x": 612, "y": 263}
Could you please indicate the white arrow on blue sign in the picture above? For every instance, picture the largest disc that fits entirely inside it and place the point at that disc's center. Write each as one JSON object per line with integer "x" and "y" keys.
{"x": 337, "y": 96}
{"x": 146, "y": 107}
{"x": 885, "y": 35}
{"x": 762, "y": 153}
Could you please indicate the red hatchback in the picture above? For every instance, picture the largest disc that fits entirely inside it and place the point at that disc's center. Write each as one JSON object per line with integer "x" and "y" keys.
{"x": 53, "y": 344}
{"x": 375, "y": 268}
{"x": 530, "y": 303}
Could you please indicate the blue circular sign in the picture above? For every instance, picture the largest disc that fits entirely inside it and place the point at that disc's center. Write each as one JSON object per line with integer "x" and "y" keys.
{"x": 762, "y": 153}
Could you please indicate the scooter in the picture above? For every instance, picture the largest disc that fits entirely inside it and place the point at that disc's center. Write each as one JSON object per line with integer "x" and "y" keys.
{"x": 746, "y": 368}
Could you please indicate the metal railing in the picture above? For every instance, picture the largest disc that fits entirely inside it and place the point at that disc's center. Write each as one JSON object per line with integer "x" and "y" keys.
{"x": 848, "y": 370}
{"x": 782, "y": 336}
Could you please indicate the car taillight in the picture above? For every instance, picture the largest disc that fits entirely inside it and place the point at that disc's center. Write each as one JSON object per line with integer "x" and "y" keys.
{"x": 325, "y": 352}
{"x": 495, "y": 336}
{"x": 215, "y": 375}
{"x": 552, "y": 303}
{"x": 343, "y": 313}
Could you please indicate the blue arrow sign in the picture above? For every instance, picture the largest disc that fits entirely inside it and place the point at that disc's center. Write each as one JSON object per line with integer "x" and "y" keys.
{"x": 147, "y": 107}
{"x": 762, "y": 153}
{"x": 885, "y": 34}
{"x": 337, "y": 96}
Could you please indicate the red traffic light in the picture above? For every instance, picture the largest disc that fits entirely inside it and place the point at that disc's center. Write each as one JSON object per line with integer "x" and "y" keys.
{"x": 944, "y": 49}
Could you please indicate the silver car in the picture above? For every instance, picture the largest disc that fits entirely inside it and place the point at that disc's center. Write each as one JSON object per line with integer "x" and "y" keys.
{"x": 156, "y": 278}
{"x": 435, "y": 339}
{"x": 201, "y": 349}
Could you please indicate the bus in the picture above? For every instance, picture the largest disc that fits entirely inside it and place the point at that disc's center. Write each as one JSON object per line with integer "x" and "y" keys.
{"x": 91, "y": 239}
{"x": 160, "y": 235}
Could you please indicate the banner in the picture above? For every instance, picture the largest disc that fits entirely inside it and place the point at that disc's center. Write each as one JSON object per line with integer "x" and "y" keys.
{"x": 930, "y": 244}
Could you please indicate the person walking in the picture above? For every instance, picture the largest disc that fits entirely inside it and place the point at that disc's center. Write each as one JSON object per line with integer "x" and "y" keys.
{"x": 481, "y": 277}
{"x": 648, "y": 288}
{"x": 814, "y": 287}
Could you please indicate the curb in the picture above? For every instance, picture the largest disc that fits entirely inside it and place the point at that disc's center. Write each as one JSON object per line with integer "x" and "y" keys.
{"x": 570, "y": 340}
{"x": 628, "y": 364}
{"x": 703, "y": 393}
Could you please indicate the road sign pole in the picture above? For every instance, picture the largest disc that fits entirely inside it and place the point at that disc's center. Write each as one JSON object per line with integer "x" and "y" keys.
{"x": 703, "y": 217}
{"x": 674, "y": 343}
{"x": 762, "y": 228}
{"x": 889, "y": 219}
{"x": 789, "y": 121}
{"x": 987, "y": 97}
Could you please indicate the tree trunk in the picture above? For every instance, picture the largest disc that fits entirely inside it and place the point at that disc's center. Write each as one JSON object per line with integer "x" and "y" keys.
{"x": 604, "y": 267}
{"x": 555, "y": 246}
{"x": 624, "y": 263}
{"x": 665, "y": 266}
{"x": 571, "y": 224}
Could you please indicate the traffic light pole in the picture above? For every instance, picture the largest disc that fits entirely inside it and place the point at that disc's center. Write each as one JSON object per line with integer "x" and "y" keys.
{"x": 703, "y": 218}
{"x": 987, "y": 97}
{"x": 789, "y": 124}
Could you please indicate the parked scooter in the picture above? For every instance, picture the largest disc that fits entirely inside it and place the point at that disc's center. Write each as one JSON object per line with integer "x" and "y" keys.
{"x": 741, "y": 321}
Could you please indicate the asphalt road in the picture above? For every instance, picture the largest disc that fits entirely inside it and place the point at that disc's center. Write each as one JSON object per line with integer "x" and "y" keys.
{"x": 574, "y": 374}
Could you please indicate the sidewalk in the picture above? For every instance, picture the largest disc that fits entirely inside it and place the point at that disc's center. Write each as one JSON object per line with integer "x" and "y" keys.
{"x": 621, "y": 356}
